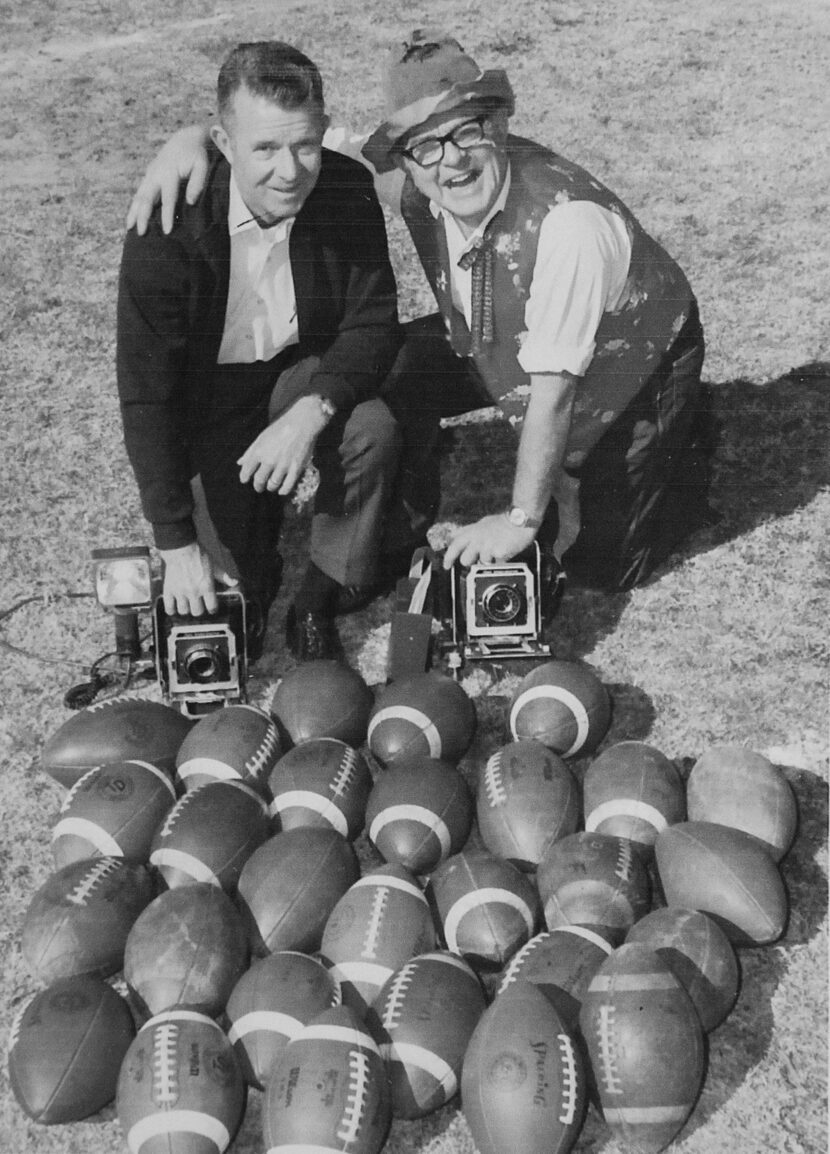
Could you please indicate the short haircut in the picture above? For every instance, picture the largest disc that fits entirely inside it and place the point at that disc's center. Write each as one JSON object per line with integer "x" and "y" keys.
{"x": 272, "y": 69}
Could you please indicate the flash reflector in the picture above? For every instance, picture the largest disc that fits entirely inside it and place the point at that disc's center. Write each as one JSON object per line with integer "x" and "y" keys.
{"x": 122, "y": 577}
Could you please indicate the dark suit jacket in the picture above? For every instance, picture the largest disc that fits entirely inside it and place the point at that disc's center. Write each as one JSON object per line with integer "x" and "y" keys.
{"x": 172, "y": 298}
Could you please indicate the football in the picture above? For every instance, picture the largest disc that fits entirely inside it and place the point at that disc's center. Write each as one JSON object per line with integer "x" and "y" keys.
{"x": 487, "y": 908}
{"x": 290, "y": 885}
{"x": 727, "y": 874}
{"x": 321, "y": 782}
{"x": 188, "y": 949}
{"x": 209, "y": 834}
{"x": 561, "y": 963}
{"x": 237, "y": 743}
{"x": 180, "y": 1090}
{"x": 596, "y": 880}
{"x": 419, "y": 813}
{"x": 564, "y": 705}
{"x": 699, "y": 955}
{"x": 269, "y": 1006}
{"x": 733, "y": 786}
{"x": 381, "y": 921}
{"x": 527, "y": 799}
{"x": 79, "y": 919}
{"x": 425, "y": 716}
{"x": 423, "y": 1019}
{"x": 523, "y": 1087}
{"x": 112, "y": 811}
{"x": 328, "y": 1091}
{"x": 632, "y": 790}
{"x": 65, "y": 1047}
{"x": 115, "y": 729}
{"x": 645, "y": 1046}
{"x": 322, "y": 699}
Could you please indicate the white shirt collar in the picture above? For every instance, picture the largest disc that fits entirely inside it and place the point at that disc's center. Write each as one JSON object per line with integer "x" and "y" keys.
{"x": 240, "y": 219}
{"x": 498, "y": 205}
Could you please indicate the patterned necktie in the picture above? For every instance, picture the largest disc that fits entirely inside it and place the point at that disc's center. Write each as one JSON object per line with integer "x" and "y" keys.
{"x": 480, "y": 258}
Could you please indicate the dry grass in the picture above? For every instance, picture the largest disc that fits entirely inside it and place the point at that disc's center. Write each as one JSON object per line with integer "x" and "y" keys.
{"x": 709, "y": 121}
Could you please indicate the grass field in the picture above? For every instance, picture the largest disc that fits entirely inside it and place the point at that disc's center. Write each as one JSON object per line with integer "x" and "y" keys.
{"x": 709, "y": 120}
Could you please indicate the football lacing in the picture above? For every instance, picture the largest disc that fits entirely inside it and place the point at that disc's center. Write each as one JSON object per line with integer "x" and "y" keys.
{"x": 263, "y": 755}
{"x": 511, "y": 974}
{"x": 94, "y": 877}
{"x": 570, "y": 1080}
{"x": 624, "y": 860}
{"x": 380, "y": 900}
{"x": 608, "y": 1050}
{"x": 358, "y": 1092}
{"x": 165, "y": 1068}
{"x": 494, "y": 781}
{"x": 393, "y": 1007}
{"x": 345, "y": 773}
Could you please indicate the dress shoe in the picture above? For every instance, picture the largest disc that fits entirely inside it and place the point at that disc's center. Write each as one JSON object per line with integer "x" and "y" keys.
{"x": 392, "y": 565}
{"x": 311, "y": 636}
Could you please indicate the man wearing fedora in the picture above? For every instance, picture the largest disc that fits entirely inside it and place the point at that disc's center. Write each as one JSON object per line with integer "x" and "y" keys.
{"x": 555, "y": 305}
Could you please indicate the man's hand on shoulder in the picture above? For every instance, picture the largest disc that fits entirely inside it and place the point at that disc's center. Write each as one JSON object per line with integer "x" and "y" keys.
{"x": 183, "y": 157}
{"x": 276, "y": 460}
{"x": 188, "y": 581}
{"x": 491, "y": 539}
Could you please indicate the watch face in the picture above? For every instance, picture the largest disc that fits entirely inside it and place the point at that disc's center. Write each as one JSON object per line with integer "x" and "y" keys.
{"x": 517, "y": 517}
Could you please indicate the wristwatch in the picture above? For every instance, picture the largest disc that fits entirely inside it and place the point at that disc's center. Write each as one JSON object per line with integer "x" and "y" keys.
{"x": 522, "y": 520}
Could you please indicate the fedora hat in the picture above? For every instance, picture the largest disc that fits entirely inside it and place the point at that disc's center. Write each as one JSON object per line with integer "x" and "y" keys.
{"x": 430, "y": 74}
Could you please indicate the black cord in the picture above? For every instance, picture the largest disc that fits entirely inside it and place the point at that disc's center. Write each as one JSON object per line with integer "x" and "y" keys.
{"x": 44, "y": 599}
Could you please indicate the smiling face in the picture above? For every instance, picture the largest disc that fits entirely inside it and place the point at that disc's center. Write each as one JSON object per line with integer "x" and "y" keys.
{"x": 275, "y": 153}
{"x": 466, "y": 182}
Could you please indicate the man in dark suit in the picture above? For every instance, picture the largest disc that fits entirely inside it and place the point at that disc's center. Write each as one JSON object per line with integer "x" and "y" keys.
{"x": 252, "y": 340}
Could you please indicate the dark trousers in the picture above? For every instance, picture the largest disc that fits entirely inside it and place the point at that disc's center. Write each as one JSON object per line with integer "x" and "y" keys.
{"x": 642, "y": 487}
{"x": 356, "y": 456}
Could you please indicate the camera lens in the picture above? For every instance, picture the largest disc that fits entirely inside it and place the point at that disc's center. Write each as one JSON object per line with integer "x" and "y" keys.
{"x": 502, "y": 604}
{"x": 205, "y": 664}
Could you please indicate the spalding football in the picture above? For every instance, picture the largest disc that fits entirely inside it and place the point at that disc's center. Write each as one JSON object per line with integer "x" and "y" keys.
{"x": 733, "y": 786}
{"x": 727, "y": 874}
{"x": 594, "y": 879}
{"x": 425, "y": 716}
{"x": 527, "y": 799}
{"x": 271, "y": 1003}
{"x": 522, "y": 1084}
{"x": 419, "y": 813}
{"x": 564, "y": 705}
{"x": 423, "y": 1019}
{"x": 322, "y": 699}
{"x": 290, "y": 885}
{"x": 237, "y": 743}
{"x": 561, "y": 963}
{"x": 328, "y": 1091}
{"x": 699, "y": 955}
{"x": 115, "y": 729}
{"x": 188, "y": 948}
{"x": 632, "y": 790}
{"x": 65, "y": 1047}
{"x": 112, "y": 811}
{"x": 381, "y": 922}
{"x": 321, "y": 782}
{"x": 209, "y": 834}
{"x": 487, "y": 908}
{"x": 645, "y": 1045}
{"x": 180, "y": 1089}
{"x": 79, "y": 919}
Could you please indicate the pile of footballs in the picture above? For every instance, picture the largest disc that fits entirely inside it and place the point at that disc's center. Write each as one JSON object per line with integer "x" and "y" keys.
{"x": 539, "y": 940}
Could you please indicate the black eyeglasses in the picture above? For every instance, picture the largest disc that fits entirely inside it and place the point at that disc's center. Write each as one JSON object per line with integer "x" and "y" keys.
{"x": 429, "y": 152}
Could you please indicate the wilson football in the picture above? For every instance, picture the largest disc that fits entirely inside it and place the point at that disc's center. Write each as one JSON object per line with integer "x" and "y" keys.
{"x": 522, "y": 1083}
{"x": 119, "y": 728}
{"x": 632, "y": 790}
{"x": 419, "y": 813}
{"x": 66, "y": 1045}
{"x": 180, "y": 1090}
{"x": 188, "y": 948}
{"x": 322, "y": 699}
{"x": 321, "y": 782}
{"x": 237, "y": 743}
{"x": 423, "y": 1019}
{"x": 425, "y": 716}
{"x": 564, "y": 705}
{"x": 645, "y": 1045}
{"x": 290, "y": 885}
{"x": 78, "y": 921}
{"x": 381, "y": 921}
{"x": 527, "y": 799}
{"x": 209, "y": 834}
{"x": 112, "y": 811}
